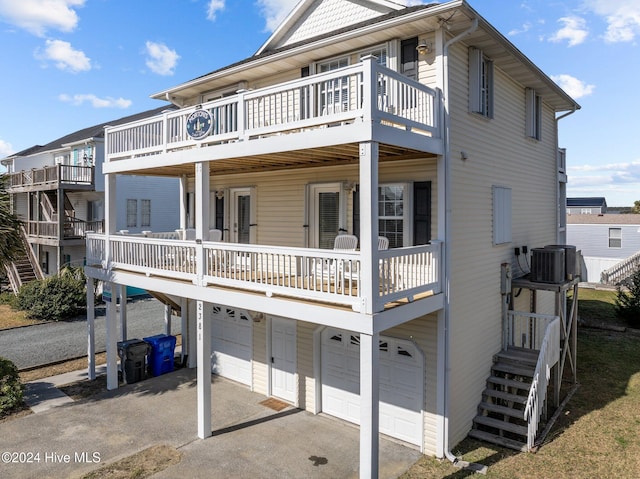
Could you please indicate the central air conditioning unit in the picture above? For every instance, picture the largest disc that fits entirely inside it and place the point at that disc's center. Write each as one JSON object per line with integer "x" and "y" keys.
{"x": 570, "y": 260}
{"x": 548, "y": 265}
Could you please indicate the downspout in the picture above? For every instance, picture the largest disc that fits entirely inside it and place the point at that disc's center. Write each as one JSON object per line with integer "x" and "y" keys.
{"x": 447, "y": 252}
{"x": 559, "y": 211}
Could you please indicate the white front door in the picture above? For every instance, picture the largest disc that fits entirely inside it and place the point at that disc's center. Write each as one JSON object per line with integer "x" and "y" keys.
{"x": 240, "y": 213}
{"x": 283, "y": 359}
{"x": 326, "y": 217}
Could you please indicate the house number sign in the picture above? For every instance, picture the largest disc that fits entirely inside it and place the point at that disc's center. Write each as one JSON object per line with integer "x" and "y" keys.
{"x": 199, "y": 124}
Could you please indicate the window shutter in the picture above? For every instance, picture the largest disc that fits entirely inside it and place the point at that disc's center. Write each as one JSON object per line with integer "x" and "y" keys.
{"x": 409, "y": 58}
{"x": 356, "y": 211}
{"x": 501, "y": 215}
{"x": 220, "y": 215}
{"x": 421, "y": 212}
{"x": 475, "y": 79}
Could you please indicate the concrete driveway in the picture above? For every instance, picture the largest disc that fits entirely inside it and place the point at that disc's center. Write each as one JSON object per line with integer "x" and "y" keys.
{"x": 249, "y": 438}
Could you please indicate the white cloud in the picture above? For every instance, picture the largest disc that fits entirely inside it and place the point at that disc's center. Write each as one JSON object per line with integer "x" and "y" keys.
{"x": 64, "y": 56}
{"x": 161, "y": 59}
{"x": 5, "y": 149}
{"x": 523, "y": 29}
{"x": 574, "y": 30}
{"x": 622, "y": 17}
{"x": 213, "y": 7}
{"x": 574, "y": 87}
{"x": 108, "y": 102}
{"x": 38, "y": 16}
{"x": 275, "y": 11}
{"x": 612, "y": 173}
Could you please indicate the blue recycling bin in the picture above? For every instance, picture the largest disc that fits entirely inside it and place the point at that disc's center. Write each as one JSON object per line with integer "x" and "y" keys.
{"x": 161, "y": 353}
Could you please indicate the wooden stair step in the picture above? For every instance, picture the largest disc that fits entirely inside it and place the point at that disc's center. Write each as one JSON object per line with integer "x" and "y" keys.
{"x": 506, "y": 396}
{"x": 507, "y": 411}
{"x": 517, "y": 356}
{"x": 501, "y": 425}
{"x": 511, "y": 383}
{"x": 519, "y": 370}
{"x": 499, "y": 440}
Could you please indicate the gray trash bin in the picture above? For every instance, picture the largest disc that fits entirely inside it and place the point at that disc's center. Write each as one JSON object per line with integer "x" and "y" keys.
{"x": 133, "y": 356}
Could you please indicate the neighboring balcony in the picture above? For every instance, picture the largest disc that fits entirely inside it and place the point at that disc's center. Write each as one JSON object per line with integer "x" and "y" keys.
{"x": 362, "y": 102}
{"x": 72, "y": 228}
{"x": 52, "y": 177}
{"x": 321, "y": 275}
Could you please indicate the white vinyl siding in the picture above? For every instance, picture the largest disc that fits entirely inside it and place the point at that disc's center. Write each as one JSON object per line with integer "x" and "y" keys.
{"x": 501, "y": 215}
{"x": 533, "y": 112}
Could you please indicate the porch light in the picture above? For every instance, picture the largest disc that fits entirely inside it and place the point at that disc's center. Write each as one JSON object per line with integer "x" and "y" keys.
{"x": 220, "y": 194}
{"x": 424, "y": 47}
{"x": 88, "y": 159}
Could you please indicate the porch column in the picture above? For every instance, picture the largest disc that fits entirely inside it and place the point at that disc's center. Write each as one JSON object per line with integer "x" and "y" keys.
{"x": 91, "y": 331}
{"x": 192, "y": 326}
{"x": 109, "y": 213}
{"x": 112, "y": 339}
{"x": 369, "y": 269}
{"x": 202, "y": 215}
{"x": 122, "y": 294}
{"x": 369, "y": 405}
{"x": 204, "y": 371}
{"x": 61, "y": 217}
{"x": 167, "y": 319}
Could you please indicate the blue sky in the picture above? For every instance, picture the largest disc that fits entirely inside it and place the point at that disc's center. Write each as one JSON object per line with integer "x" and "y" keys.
{"x": 69, "y": 64}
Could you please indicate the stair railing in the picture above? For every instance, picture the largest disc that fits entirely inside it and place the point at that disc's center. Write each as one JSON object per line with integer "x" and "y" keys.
{"x": 35, "y": 264}
{"x": 13, "y": 276}
{"x": 621, "y": 270}
{"x": 548, "y": 356}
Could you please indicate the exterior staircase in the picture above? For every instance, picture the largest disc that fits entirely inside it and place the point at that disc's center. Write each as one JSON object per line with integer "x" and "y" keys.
{"x": 622, "y": 271}
{"x": 501, "y": 413}
{"x": 25, "y": 268}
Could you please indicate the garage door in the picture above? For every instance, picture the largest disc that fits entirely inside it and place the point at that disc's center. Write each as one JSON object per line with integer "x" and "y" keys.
{"x": 231, "y": 344}
{"x": 401, "y": 383}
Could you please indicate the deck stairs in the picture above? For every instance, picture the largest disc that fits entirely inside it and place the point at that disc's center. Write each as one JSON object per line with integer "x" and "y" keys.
{"x": 168, "y": 300}
{"x": 500, "y": 418}
{"x": 621, "y": 272}
{"x": 25, "y": 267}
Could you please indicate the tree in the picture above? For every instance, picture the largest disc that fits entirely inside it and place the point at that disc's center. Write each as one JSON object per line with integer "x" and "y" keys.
{"x": 636, "y": 207}
{"x": 628, "y": 300}
{"x": 10, "y": 240}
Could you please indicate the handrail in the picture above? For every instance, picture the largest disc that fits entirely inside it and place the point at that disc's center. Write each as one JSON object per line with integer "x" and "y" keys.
{"x": 53, "y": 174}
{"x": 547, "y": 358}
{"x": 621, "y": 270}
{"x": 30, "y": 254}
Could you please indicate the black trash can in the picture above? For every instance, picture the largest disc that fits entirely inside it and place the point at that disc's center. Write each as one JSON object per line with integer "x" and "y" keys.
{"x": 133, "y": 356}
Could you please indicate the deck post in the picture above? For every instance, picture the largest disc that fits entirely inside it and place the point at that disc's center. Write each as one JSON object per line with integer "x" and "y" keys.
{"x": 91, "y": 331}
{"x": 369, "y": 274}
{"x": 122, "y": 294}
{"x": 202, "y": 216}
{"x": 369, "y": 405}
{"x": 204, "y": 371}
{"x": 167, "y": 319}
{"x": 112, "y": 338}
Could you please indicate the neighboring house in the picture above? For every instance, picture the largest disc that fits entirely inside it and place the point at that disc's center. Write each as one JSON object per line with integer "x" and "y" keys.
{"x": 57, "y": 191}
{"x": 609, "y": 244}
{"x": 586, "y": 206}
{"x": 421, "y": 124}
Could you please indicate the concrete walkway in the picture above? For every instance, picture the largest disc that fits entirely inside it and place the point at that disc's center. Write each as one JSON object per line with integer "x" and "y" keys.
{"x": 64, "y": 438}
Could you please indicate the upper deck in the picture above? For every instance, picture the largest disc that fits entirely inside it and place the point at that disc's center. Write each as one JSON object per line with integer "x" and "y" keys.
{"x": 362, "y": 102}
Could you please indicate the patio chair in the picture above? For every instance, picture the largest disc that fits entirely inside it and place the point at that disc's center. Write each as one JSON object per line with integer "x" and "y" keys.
{"x": 383, "y": 243}
{"x": 345, "y": 243}
{"x": 215, "y": 235}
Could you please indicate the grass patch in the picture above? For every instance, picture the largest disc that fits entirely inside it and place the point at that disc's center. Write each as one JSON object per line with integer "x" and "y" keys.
{"x": 597, "y": 306}
{"x": 140, "y": 465}
{"x": 10, "y": 318}
{"x": 597, "y": 435}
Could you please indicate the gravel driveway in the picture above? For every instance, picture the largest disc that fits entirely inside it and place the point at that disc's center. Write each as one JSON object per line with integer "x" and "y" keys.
{"x": 46, "y": 343}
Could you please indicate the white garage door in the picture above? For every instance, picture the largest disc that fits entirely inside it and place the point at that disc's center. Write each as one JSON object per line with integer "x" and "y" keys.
{"x": 231, "y": 344}
{"x": 401, "y": 383}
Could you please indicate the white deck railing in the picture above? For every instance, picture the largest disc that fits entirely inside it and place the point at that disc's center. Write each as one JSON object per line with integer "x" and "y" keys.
{"x": 335, "y": 97}
{"x": 544, "y": 336}
{"x": 621, "y": 271}
{"x": 312, "y": 274}
{"x": 53, "y": 175}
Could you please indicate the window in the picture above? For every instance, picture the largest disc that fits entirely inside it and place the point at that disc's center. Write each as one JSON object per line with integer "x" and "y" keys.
{"x": 585, "y": 211}
{"x": 501, "y": 215}
{"x": 533, "y": 112}
{"x": 615, "y": 237}
{"x": 132, "y": 213}
{"x": 480, "y": 83}
{"x": 334, "y": 94}
{"x": 145, "y": 212}
{"x": 391, "y": 213}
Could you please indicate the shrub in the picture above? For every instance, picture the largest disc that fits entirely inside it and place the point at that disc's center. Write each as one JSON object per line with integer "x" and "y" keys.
{"x": 628, "y": 301}
{"x": 8, "y": 297}
{"x": 57, "y": 297}
{"x": 10, "y": 387}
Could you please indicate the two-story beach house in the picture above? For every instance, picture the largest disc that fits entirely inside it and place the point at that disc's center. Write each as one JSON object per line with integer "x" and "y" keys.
{"x": 57, "y": 191}
{"x": 421, "y": 132}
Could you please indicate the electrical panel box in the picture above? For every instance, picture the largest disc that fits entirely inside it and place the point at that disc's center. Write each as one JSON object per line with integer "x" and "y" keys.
{"x": 570, "y": 259}
{"x": 548, "y": 265}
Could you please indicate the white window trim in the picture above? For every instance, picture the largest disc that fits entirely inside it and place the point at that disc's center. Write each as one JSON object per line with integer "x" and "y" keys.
{"x": 407, "y": 210}
{"x": 476, "y": 102}
{"x": 615, "y": 237}
{"x": 533, "y": 114}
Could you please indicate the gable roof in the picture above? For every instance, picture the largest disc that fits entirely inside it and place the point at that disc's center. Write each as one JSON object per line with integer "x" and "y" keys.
{"x": 597, "y": 201}
{"x": 404, "y": 22}
{"x": 91, "y": 132}
{"x": 611, "y": 220}
{"x": 311, "y": 18}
